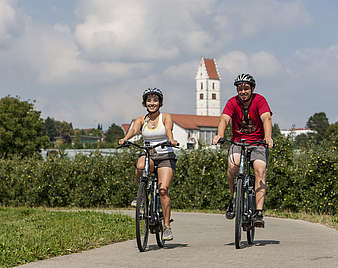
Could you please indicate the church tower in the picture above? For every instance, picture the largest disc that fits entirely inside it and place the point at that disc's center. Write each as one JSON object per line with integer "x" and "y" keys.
{"x": 208, "y": 101}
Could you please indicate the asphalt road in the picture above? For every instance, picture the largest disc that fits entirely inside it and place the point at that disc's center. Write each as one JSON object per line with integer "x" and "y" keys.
{"x": 207, "y": 240}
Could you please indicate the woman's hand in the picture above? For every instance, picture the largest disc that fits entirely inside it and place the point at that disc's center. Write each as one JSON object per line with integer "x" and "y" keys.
{"x": 173, "y": 142}
{"x": 122, "y": 141}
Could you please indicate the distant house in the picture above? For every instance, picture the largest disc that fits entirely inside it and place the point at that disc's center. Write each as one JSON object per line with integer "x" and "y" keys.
{"x": 190, "y": 130}
{"x": 293, "y": 132}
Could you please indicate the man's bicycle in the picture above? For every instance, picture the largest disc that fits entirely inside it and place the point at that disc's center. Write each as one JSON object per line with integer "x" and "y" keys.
{"x": 244, "y": 191}
{"x": 149, "y": 215}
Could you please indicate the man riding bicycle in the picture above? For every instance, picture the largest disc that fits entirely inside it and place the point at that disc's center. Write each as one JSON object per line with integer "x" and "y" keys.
{"x": 250, "y": 116}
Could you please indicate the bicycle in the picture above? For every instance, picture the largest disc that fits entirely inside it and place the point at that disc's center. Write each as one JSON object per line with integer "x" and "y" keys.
{"x": 244, "y": 190}
{"x": 149, "y": 215}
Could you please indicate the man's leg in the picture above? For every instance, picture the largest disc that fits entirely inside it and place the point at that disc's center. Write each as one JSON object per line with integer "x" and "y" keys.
{"x": 233, "y": 163}
{"x": 260, "y": 188}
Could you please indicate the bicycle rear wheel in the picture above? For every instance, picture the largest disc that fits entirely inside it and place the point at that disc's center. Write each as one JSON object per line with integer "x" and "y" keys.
{"x": 142, "y": 217}
{"x": 238, "y": 212}
{"x": 159, "y": 229}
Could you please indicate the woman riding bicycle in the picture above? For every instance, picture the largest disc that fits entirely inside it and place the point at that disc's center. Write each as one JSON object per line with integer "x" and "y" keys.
{"x": 156, "y": 127}
{"x": 250, "y": 116}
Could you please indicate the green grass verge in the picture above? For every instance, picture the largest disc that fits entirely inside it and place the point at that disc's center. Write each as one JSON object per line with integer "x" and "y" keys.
{"x": 28, "y": 234}
{"x": 328, "y": 220}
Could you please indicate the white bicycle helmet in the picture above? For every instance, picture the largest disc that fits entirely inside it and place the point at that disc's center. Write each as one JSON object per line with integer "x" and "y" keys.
{"x": 245, "y": 78}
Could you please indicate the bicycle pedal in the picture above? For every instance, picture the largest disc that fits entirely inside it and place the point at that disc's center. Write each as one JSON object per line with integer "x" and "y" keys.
{"x": 259, "y": 224}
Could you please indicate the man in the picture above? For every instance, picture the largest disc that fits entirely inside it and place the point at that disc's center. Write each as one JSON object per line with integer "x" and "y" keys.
{"x": 250, "y": 116}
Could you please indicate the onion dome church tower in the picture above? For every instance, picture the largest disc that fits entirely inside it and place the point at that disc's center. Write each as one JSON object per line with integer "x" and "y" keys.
{"x": 208, "y": 101}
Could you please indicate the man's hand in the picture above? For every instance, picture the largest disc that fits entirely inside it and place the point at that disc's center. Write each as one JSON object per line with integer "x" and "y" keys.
{"x": 269, "y": 141}
{"x": 216, "y": 139}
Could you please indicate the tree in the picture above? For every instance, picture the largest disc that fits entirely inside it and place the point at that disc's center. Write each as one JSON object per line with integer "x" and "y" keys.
{"x": 332, "y": 132}
{"x": 50, "y": 127}
{"x": 114, "y": 133}
{"x": 318, "y": 122}
{"x": 64, "y": 129}
{"x": 22, "y": 130}
{"x": 275, "y": 131}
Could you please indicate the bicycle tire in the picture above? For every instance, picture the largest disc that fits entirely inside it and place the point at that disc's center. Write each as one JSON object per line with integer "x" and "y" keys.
{"x": 250, "y": 233}
{"x": 159, "y": 229}
{"x": 142, "y": 217}
{"x": 238, "y": 212}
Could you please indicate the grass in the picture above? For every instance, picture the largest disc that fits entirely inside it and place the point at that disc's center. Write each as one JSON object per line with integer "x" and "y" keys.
{"x": 328, "y": 220}
{"x": 28, "y": 234}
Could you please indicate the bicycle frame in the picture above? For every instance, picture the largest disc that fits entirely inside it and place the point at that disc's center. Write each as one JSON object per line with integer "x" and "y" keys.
{"x": 244, "y": 187}
{"x": 149, "y": 187}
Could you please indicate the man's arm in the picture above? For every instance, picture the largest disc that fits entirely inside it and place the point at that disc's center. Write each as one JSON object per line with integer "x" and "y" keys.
{"x": 223, "y": 122}
{"x": 267, "y": 125}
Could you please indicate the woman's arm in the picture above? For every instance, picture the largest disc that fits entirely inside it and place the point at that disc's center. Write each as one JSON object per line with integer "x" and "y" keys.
{"x": 168, "y": 124}
{"x": 135, "y": 128}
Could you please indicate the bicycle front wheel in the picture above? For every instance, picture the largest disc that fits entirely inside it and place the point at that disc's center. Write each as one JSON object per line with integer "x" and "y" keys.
{"x": 159, "y": 229}
{"x": 250, "y": 232}
{"x": 238, "y": 212}
{"x": 142, "y": 217}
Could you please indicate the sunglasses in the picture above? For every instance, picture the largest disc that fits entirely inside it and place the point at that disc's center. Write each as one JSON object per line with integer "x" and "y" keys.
{"x": 243, "y": 88}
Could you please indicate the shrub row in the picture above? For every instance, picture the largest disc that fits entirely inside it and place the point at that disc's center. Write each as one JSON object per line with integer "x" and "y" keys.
{"x": 296, "y": 180}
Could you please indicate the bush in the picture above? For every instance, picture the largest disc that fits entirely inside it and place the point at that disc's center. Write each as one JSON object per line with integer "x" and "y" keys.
{"x": 296, "y": 180}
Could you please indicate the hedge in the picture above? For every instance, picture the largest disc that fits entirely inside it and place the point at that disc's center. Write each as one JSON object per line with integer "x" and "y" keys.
{"x": 297, "y": 181}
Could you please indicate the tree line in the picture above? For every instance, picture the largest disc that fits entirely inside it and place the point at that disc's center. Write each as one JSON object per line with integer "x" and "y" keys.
{"x": 24, "y": 132}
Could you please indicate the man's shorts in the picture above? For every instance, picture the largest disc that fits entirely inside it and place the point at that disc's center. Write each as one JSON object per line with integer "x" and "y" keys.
{"x": 164, "y": 160}
{"x": 258, "y": 153}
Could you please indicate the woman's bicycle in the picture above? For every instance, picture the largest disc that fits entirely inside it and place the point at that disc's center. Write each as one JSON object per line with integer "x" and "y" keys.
{"x": 244, "y": 191}
{"x": 149, "y": 215}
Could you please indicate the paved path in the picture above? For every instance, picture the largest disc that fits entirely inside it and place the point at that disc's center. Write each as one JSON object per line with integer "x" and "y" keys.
{"x": 207, "y": 240}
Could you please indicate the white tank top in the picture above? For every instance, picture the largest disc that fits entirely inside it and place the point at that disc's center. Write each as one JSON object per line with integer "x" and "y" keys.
{"x": 156, "y": 135}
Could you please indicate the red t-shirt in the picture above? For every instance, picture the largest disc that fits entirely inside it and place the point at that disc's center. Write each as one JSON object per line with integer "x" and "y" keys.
{"x": 253, "y": 129}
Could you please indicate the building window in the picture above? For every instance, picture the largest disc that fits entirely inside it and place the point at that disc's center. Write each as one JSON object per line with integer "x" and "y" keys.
{"x": 201, "y": 96}
{"x": 213, "y": 85}
{"x": 214, "y": 96}
{"x": 201, "y": 85}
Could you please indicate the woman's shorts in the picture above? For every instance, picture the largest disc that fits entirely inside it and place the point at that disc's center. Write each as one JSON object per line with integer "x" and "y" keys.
{"x": 164, "y": 160}
{"x": 258, "y": 153}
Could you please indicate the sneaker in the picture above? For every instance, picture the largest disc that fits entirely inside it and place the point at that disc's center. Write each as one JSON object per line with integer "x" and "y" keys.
{"x": 258, "y": 219}
{"x": 133, "y": 203}
{"x": 230, "y": 214}
{"x": 167, "y": 234}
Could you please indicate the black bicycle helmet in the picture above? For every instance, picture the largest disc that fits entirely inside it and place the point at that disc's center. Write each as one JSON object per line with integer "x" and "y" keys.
{"x": 155, "y": 91}
{"x": 245, "y": 78}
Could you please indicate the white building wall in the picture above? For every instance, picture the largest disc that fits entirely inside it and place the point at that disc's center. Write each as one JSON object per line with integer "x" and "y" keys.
{"x": 185, "y": 136}
{"x": 207, "y": 87}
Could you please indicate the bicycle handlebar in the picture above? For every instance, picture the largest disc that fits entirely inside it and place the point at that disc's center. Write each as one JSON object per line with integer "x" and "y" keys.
{"x": 148, "y": 146}
{"x": 242, "y": 143}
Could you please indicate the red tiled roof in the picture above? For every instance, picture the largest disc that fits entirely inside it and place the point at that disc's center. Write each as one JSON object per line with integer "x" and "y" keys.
{"x": 190, "y": 121}
{"x": 211, "y": 68}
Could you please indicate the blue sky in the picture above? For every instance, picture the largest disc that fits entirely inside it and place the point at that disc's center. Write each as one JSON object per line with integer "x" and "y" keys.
{"x": 87, "y": 62}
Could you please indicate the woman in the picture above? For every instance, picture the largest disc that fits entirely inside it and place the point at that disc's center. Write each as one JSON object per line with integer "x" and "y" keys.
{"x": 157, "y": 127}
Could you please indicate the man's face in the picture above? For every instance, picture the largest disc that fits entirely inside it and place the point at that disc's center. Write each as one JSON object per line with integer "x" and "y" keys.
{"x": 244, "y": 92}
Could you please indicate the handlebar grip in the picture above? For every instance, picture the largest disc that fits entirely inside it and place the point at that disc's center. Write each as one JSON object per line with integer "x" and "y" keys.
{"x": 221, "y": 140}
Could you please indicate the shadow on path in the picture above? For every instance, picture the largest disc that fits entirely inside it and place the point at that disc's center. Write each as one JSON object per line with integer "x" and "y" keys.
{"x": 168, "y": 246}
{"x": 258, "y": 243}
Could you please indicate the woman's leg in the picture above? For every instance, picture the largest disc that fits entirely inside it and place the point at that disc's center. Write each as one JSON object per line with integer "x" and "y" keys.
{"x": 165, "y": 176}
